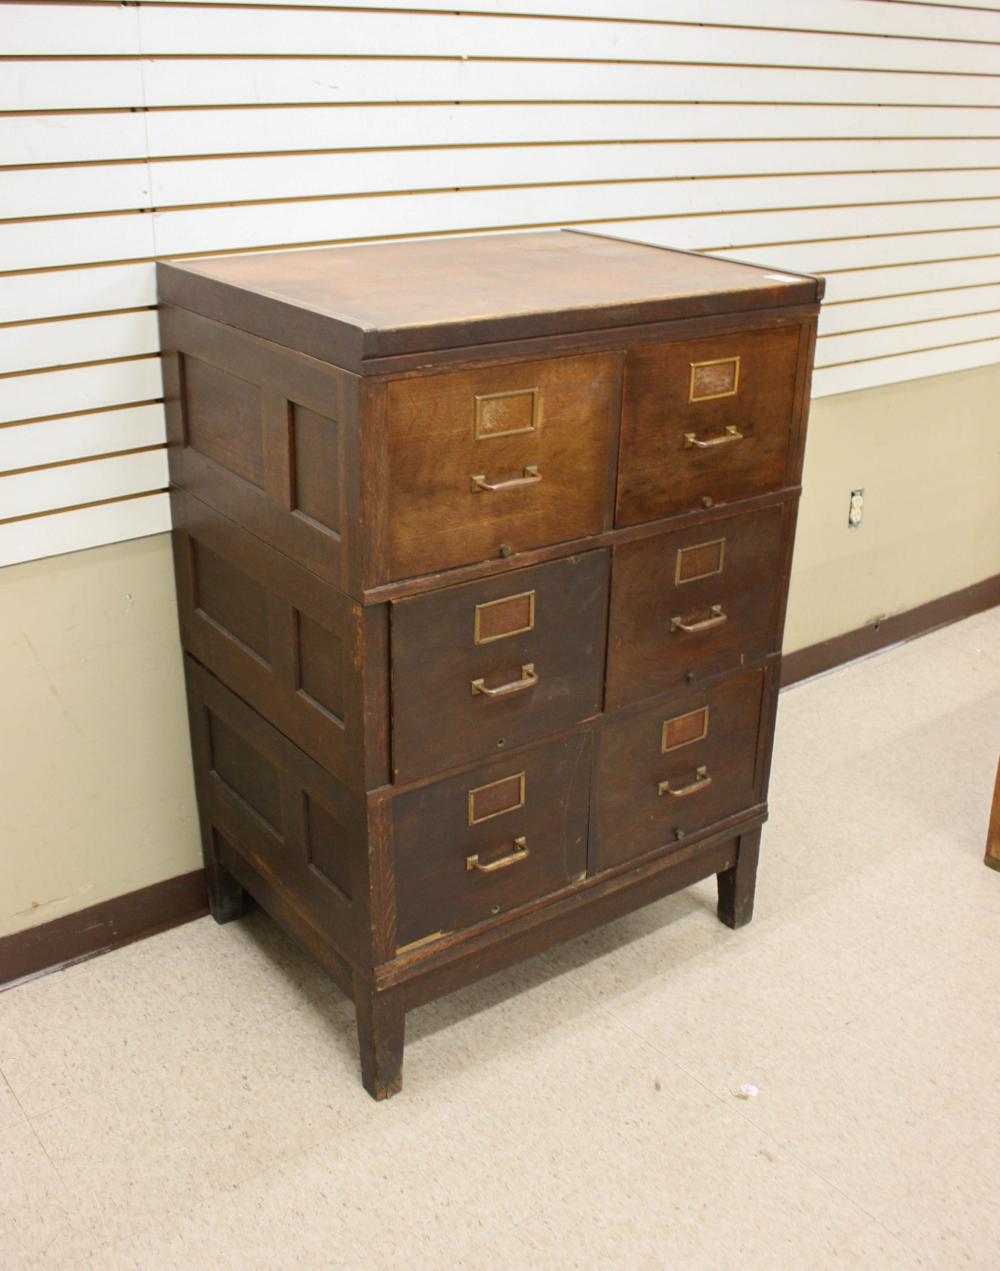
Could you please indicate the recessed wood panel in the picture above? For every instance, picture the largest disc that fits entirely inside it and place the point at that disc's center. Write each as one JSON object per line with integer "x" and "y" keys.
{"x": 327, "y": 845}
{"x": 264, "y": 435}
{"x": 316, "y": 467}
{"x": 278, "y": 810}
{"x": 321, "y": 665}
{"x": 227, "y": 597}
{"x": 314, "y": 677}
{"x": 452, "y": 871}
{"x": 222, "y": 418}
{"x": 246, "y": 772}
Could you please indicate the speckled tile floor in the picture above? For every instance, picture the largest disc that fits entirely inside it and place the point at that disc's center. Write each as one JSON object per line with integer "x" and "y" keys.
{"x": 193, "y": 1100}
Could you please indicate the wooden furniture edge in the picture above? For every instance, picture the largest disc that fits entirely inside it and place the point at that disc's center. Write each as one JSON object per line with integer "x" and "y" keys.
{"x": 802, "y": 664}
{"x": 992, "y": 857}
{"x": 55, "y": 945}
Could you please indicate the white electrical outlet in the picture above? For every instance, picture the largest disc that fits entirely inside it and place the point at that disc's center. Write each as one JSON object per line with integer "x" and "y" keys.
{"x": 856, "y": 512}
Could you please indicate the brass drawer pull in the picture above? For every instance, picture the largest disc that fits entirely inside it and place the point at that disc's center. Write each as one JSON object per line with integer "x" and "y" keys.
{"x": 519, "y": 853}
{"x": 706, "y": 624}
{"x": 701, "y": 782}
{"x": 528, "y": 680}
{"x": 731, "y": 434}
{"x": 529, "y": 476}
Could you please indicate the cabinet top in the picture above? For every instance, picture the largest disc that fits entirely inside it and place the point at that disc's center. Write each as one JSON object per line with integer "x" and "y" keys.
{"x": 349, "y": 305}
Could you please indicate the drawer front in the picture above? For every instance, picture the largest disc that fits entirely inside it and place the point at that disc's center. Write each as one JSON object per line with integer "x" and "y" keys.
{"x": 675, "y": 769}
{"x": 509, "y": 456}
{"x": 490, "y": 665}
{"x": 694, "y": 603}
{"x": 705, "y": 422}
{"x": 477, "y": 845}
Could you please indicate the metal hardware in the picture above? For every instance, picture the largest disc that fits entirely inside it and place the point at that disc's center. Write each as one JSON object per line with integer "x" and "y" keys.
{"x": 528, "y": 680}
{"x": 519, "y": 853}
{"x": 511, "y": 807}
{"x": 529, "y": 476}
{"x": 731, "y": 434}
{"x": 689, "y": 676}
{"x": 477, "y": 632}
{"x": 706, "y": 624}
{"x": 481, "y": 430}
{"x": 683, "y": 552}
{"x": 695, "y": 396}
{"x": 505, "y": 550}
{"x": 700, "y": 715}
{"x": 701, "y": 782}
{"x": 706, "y": 500}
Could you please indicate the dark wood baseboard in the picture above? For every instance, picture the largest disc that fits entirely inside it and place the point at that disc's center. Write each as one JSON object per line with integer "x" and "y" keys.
{"x": 817, "y": 658}
{"x": 100, "y": 928}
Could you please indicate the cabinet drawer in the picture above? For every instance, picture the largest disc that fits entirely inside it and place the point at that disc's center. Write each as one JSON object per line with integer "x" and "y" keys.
{"x": 696, "y": 602}
{"x": 508, "y": 455}
{"x": 705, "y": 422}
{"x": 488, "y": 666}
{"x": 674, "y": 769}
{"x": 479, "y": 844}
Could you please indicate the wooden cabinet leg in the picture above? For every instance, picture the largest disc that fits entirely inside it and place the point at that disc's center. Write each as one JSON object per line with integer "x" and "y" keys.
{"x": 992, "y": 857}
{"x": 737, "y": 885}
{"x": 381, "y": 1029}
{"x": 226, "y": 898}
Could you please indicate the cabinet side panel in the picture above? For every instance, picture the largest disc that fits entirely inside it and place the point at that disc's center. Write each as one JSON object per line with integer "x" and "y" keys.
{"x": 263, "y": 435}
{"x": 296, "y": 827}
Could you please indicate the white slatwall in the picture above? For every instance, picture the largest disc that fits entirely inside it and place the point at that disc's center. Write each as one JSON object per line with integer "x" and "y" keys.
{"x": 855, "y": 138}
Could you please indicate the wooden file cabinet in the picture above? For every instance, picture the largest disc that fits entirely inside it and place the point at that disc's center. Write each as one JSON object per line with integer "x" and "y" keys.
{"x": 482, "y": 551}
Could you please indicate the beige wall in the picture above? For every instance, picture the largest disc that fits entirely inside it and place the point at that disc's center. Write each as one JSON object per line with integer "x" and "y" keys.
{"x": 927, "y": 454}
{"x": 97, "y": 796}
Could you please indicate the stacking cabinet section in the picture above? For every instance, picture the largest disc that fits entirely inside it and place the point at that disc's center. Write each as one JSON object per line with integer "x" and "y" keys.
{"x": 481, "y": 560}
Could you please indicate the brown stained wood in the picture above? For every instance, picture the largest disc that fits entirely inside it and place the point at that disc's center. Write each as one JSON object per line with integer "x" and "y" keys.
{"x": 264, "y": 800}
{"x": 992, "y": 857}
{"x": 110, "y": 924}
{"x": 460, "y": 861}
{"x": 683, "y": 448}
{"x": 261, "y": 434}
{"x": 647, "y": 797}
{"x": 458, "y": 490}
{"x": 520, "y": 560}
{"x": 737, "y": 884}
{"x": 480, "y": 652}
{"x": 293, "y": 646}
{"x": 381, "y": 1030}
{"x": 435, "y": 969}
{"x": 352, "y": 304}
{"x": 716, "y": 578}
{"x": 552, "y": 618}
